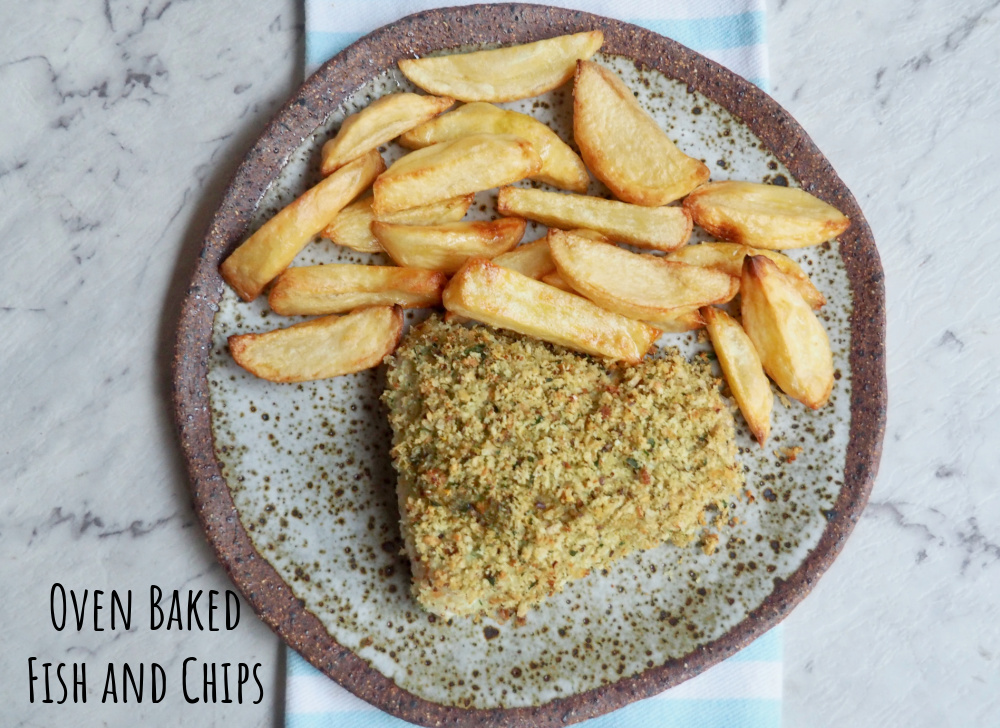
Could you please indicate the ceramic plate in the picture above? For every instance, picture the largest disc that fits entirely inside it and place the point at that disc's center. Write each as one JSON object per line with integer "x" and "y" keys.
{"x": 294, "y": 486}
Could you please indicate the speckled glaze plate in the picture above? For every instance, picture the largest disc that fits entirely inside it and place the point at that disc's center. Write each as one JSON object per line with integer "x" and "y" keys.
{"x": 294, "y": 486}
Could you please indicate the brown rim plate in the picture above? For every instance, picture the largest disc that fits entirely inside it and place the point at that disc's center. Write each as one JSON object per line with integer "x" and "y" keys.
{"x": 269, "y": 594}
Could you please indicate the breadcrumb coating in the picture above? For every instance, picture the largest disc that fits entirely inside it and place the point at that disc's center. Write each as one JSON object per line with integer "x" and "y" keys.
{"x": 522, "y": 466}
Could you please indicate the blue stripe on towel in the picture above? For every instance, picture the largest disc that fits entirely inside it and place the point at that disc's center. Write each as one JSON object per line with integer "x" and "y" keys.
{"x": 727, "y": 31}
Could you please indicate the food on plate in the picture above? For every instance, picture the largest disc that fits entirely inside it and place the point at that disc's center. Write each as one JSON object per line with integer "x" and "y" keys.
{"x": 790, "y": 340}
{"x": 503, "y": 74}
{"x": 679, "y": 321}
{"x": 486, "y": 292}
{"x": 591, "y": 235}
{"x": 274, "y": 246}
{"x": 655, "y": 228}
{"x": 674, "y": 322}
{"x": 531, "y": 259}
{"x": 623, "y": 145}
{"x": 554, "y": 279}
{"x": 637, "y": 285}
{"x": 352, "y": 226}
{"x": 446, "y": 247}
{"x": 321, "y": 348}
{"x": 561, "y": 166}
{"x": 547, "y": 441}
{"x": 764, "y": 216}
{"x": 381, "y": 121}
{"x": 314, "y": 290}
{"x": 523, "y": 466}
{"x": 728, "y": 257}
{"x": 464, "y": 165}
{"x": 743, "y": 371}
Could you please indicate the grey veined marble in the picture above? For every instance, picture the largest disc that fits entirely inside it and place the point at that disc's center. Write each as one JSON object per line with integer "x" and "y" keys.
{"x": 121, "y": 124}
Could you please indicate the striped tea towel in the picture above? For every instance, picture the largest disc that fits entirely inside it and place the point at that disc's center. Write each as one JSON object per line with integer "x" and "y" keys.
{"x": 730, "y": 32}
{"x": 745, "y": 690}
{"x": 742, "y": 692}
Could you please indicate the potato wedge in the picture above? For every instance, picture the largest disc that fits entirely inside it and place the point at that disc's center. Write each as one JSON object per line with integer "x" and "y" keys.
{"x": 446, "y": 247}
{"x": 453, "y": 318}
{"x": 591, "y": 235}
{"x": 532, "y": 259}
{"x": 728, "y": 257}
{"x": 274, "y": 246}
{"x": 352, "y": 227}
{"x": 677, "y": 322}
{"x": 637, "y": 285}
{"x": 561, "y": 166}
{"x": 790, "y": 340}
{"x": 487, "y": 292}
{"x": 654, "y": 228}
{"x": 743, "y": 371}
{"x": 381, "y": 121}
{"x": 468, "y": 164}
{"x": 623, "y": 145}
{"x": 554, "y": 279}
{"x": 503, "y": 74}
{"x": 321, "y": 348}
{"x": 764, "y": 216}
{"x": 315, "y": 290}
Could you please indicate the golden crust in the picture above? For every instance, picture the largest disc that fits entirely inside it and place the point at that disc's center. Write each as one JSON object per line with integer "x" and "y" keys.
{"x": 313, "y": 290}
{"x": 381, "y": 121}
{"x": 504, "y": 298}
{"x": 467, "y": 164}
{"x": 654, "y": 228}
{"x": 773, "y": 217}
{"x": 622, "y": 144}
{"x": 637, "y": 285}
{"x": 791, "y": 341}
{"x": 523, "y": 466}
{"x": 503, "y": 74}
{"x": 321, "y": 348}
{"x": 262, "y": 256}
{"x": 561, "y": 166}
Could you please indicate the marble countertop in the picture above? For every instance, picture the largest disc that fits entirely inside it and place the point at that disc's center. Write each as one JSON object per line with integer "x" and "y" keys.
{"x": 122, "y": 123}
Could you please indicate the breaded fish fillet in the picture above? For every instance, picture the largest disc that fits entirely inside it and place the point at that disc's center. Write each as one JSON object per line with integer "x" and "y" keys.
{"x": 522, "y": 466}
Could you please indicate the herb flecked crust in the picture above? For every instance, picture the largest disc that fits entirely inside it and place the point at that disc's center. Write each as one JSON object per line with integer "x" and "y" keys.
{"x": 522, "y": 466}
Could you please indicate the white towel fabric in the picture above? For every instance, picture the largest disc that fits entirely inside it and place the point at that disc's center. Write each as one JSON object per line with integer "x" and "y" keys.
{"x": 745, "y": 690}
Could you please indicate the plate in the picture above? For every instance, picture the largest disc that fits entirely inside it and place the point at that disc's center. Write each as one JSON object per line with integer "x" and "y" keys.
{"x": 294, "y": 486}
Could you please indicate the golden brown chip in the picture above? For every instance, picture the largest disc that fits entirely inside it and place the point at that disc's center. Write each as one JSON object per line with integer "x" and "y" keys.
{"x": 677, "y": 322}
{"x": 623, "y": 145}
{"x": 561, "y": 166}
{"x": 790, "y": 340}
{"x": 339, "y": 287}
{"x": 352, "y": 227}
{"x": 446, "y": 247}
{"x": 531, "y": 259}
{"x": 453, "y": 318}
{"x": 743, "y": 371}
{"x": 506, "y": 299}
{"x": 591, "y": 235}
{"x": 274, "y": 246}
{"x": 637, "y": 285}
{"x": 728, "y": 257}
{"x": 321, "y": 348}
{"x": 655, "y": 228}
{"x": 467, "y": 164}
{"x": 381, "y": 121}
{"x": 764, "y": 216}
{"x": 503, "y": 74}
{"x": 554, "y": 279}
